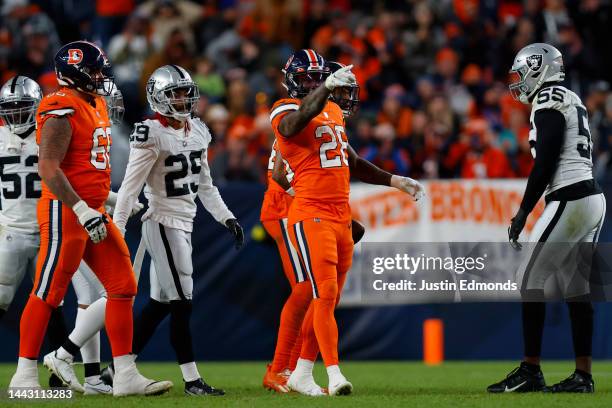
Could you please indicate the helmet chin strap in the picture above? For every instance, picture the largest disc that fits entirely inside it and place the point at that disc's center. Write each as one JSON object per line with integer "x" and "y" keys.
{"x": 538, "y": 84}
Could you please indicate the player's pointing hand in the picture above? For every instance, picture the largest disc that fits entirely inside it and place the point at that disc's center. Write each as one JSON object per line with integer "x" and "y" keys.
{"x": 340, "y": 78}
{"x": 408, "y": 185}
{"x": 93, "y": 221}
{"x": 236, "y": 230}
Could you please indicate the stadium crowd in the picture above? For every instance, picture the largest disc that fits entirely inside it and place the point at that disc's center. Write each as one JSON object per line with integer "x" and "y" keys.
{"x": 433, "y": 74}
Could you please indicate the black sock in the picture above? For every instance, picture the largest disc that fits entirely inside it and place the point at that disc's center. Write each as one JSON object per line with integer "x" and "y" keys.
{"x": 92, "y": 369}
{"x": 56, "y": 331}
{"x": 70, "y": 347}
{"x": 146, "y": 323}
{"x": 180, "y": 332}
{"x": 534, "y": 368}
{"x": 533, "y": 327}
{"x": 581, "y": 316}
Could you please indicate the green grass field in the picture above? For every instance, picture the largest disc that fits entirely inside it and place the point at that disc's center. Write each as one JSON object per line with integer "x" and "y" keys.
{"x": 388, "y": 384}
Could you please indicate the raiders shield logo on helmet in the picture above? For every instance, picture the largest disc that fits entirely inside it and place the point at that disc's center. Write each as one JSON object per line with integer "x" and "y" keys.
{"x": 534, "y": 62}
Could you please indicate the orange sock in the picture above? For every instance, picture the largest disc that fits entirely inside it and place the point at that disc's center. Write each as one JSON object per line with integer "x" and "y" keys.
{"x": 295, "y": 352}
{"x": 310, "y": 346}
{"x": 290, "y": 323}
{"x": 119, "y": 324}
{"x": 32, "y": 327}
{"x": 324, "y": 321}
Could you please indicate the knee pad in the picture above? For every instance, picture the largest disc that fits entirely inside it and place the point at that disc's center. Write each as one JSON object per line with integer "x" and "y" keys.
{"x": 328, "y": 289}
{"x": 6, "y": 296}
{"x": 302, "y": 291}
{"x": 126, "y": 288}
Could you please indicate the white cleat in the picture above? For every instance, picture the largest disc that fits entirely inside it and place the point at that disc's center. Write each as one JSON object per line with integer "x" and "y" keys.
{"x": 340, "y": 386}
{"x": 97, "y": 387}
{"x": 305, "y": 385}
{"x": 64, "y": 370}
{"x": 131, "y": 382}
{"x": 25, "y": 378}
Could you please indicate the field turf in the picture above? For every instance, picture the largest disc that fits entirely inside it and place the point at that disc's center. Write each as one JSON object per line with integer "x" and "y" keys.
{"x": 377, "y": 384}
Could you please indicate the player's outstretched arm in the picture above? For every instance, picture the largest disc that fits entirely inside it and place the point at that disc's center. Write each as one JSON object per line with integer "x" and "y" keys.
{"x": 369, "y": 173}
{"x": 313, "y": 103}
{"x": 550, "y": 128}
{"x": 55, "y": 137}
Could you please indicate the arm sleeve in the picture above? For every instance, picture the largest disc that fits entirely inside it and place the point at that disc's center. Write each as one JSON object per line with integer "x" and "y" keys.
{"x": 140, "y": 162}
{"x": 209, "y": 195}
{"x": 280, "y": 109}
{"x": 550, "y": 131}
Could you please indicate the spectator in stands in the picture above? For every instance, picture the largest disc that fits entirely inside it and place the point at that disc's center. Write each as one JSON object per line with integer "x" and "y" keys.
{"x": 128, "y": 51}
{"x": 382, "y": 152}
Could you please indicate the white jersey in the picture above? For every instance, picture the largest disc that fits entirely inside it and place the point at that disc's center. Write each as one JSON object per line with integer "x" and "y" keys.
{"x": 19, "y": 182}
{"x": 174, "y": 165}
{"x": 575, "y": 162}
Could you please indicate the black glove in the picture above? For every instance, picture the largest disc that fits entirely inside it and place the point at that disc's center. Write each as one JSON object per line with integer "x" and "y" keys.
{"x": 236, "y": 230}
{"x": 515, "y": 228}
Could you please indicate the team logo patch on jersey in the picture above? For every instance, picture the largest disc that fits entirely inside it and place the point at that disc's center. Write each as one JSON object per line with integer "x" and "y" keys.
{"x": 75, "y": 56}
{"x": 534, "y": 62}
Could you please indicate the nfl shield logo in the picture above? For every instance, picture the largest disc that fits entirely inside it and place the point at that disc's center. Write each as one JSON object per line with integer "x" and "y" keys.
{"x": 534, "y": 62}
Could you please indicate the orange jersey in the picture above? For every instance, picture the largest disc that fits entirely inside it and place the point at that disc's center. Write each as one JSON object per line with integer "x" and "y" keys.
{"x": 276, "y": 201}
{"x": 87, "y": 161}
{"x": 319, "y": 158}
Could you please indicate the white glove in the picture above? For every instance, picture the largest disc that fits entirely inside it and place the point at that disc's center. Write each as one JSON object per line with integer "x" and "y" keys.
{"x": 93, "y": 221}
{"x": 136, "y": 208}
{"x": 408, "y": 185}
{"x": 341, "y": 78}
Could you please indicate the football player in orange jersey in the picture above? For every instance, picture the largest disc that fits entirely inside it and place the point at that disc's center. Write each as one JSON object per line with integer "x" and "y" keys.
{"x": 73, "y": 133}
{"x": 274, "y": 210}
{"x": 309, "y": 129}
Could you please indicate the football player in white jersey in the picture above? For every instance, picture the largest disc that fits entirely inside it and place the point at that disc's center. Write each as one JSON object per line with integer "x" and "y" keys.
{"x": 563, "y": 237}
{"x": 91, "y": 298}
{"x": 19, "y": 233}
{"x": 169, "y": 154}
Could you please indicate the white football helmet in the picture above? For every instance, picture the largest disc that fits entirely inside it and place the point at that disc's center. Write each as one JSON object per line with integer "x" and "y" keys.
{"x": 171, "y": 92}
{"x": 19, "y": 100}
{"x": 535, "y": 65}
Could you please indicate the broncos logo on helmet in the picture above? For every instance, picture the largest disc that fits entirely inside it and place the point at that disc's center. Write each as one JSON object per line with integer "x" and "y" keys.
{"x": 84, "y": 66}
{"x": 304, "y": 71}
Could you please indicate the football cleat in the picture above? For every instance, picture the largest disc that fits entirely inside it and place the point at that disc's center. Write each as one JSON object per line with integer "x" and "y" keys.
{"x": 97, "y": 387}
{"x": 107, "y": 374}
{"x": 276, "y": 381}
{"x": 64, "y": 370}
{"x": 521, "y": 379}
{"x": 341, "y": 386}
{"x": 576, "y": 382}
{"x": 200, "y": 387}
{"x": 305, "y": 385}
{"x": 130, "y": 382}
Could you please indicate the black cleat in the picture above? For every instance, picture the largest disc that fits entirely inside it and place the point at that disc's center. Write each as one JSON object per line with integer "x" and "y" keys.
{"x": 199, "y": 387}
{"x": 107, "y": 374}
{"x": 521, "y": 379}
{"x": 576, "y": 382}
{"x": 55, "y": 382}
